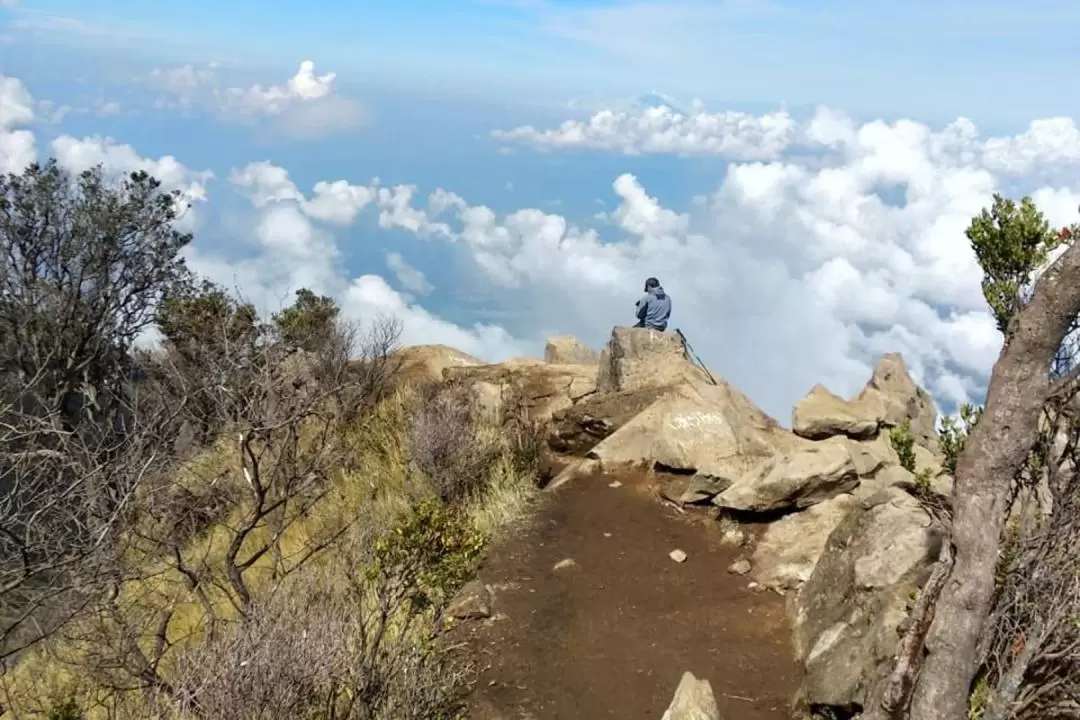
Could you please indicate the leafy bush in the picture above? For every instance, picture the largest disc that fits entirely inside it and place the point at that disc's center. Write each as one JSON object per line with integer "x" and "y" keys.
{"x": 67, "y": 710}
{"x": 903, "y": 442}
{"x": 309, "y": 322}
{"x": 433, "y": 550}
{"x": 954, "y": 433}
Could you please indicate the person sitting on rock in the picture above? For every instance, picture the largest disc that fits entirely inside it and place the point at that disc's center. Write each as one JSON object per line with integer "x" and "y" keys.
{"x": 654, "y": 308}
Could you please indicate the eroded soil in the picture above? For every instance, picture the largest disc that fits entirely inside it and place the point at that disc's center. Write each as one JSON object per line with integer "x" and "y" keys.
{"x": 610, "y": 635}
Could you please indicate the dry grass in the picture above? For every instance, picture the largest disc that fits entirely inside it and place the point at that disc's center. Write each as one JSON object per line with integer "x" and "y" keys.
{"x": 158, "y": 615}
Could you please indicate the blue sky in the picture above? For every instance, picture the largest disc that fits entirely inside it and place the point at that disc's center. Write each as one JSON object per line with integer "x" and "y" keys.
{"x": 767, "y": 217}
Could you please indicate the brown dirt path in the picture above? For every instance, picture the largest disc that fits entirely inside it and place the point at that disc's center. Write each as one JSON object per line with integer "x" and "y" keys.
{"x": 610, "y": 636}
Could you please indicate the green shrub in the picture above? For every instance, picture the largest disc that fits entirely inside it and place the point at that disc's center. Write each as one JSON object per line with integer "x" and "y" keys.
{"x": 67, "y": 710}
{"x": 903, "y": 442}
{"x": 432, "y": 551}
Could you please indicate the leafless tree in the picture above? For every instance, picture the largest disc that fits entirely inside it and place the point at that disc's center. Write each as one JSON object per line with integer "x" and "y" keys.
{"x": 358, "y": 651}
{"x": 284, "y": 413}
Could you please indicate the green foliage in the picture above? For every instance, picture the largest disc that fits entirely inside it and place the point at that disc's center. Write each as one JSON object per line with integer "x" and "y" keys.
{"x": 954, "y": 433}
{"x": 979, "y": 698}
{"x": 67, "y": 710}
{"x": 1010, "y": 242}
{"x": 903, "y": 442}
{"x": 85, "y": 263}
{"x": 432, "y": 551}
{"x": 309, "y": 321}
{"x": 203, "y": 318}
{"x": 923, "y": 479}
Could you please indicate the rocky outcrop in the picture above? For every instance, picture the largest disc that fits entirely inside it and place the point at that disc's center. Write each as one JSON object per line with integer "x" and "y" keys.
{"x": 694, "y": 700}
{"x": 419, "y": 363}
{"x": 568, "y": 350}
{"x": 889, "y": 397}
{"x": 842, "y": 530}
{"x": 797, "y": 479}
{"x": 637, "y": 358}
{"x": 821, "y": 414}
{"x": 789, "y": 549}
{"x": 538, "y": 388}
{"x": 892, "y": 396}
{"x": 713, "y": 430}
{"x": 847, "y": 614}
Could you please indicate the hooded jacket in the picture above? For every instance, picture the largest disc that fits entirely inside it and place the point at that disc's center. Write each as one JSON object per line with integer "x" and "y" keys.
{"x": 654, "y": 309}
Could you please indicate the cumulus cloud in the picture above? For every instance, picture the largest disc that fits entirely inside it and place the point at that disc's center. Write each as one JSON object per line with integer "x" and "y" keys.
{"x": 16, "y": 108}
{"x": 307, "y": 105}
{"x": 734, "y": 135}
{"x": 116, "y": 159}
{"x": 369, "y": 297}
{"x": 296, "y": 247}
{"x": 797, "y": 269}
{"x": 661, "y": 129}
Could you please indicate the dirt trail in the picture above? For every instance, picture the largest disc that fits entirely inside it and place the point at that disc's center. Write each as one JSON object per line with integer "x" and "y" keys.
{"x": 610, "y": 636}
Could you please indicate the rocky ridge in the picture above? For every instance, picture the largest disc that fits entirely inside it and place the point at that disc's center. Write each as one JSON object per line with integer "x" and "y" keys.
{"x": 845, "y": 535}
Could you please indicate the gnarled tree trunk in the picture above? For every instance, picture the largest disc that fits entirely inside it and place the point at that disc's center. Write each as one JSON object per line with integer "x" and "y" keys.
{"x": 998, "y": 445}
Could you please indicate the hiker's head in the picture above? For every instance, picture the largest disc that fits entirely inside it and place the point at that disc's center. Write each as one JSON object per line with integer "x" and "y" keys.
{"x": 651, "y": 284}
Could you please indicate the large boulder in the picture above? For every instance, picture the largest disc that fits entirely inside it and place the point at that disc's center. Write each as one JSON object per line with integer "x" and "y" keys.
{"x": 568, "y": 350}
{"x": 788, "y": 551}
{"x": 637, "y": 358}
{"x": 419, "y": 363}
{"x": 797, "y": 479}
{"x": 846, "y": 616}
{"x": 821, "y": 414}
{"x": 537, "y": 388}
{"x": 891, "y": 395}
{"x": 713, "y": 430}
{"x": 694, "y": 700}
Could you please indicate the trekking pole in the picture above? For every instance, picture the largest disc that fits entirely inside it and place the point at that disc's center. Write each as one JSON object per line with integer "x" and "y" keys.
{"x": 689, "y": 349}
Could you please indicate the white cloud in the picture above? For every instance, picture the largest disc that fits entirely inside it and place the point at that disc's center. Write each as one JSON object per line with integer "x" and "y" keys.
{"x": 77, "y": 155}
{"x": 337, "y": 202}
{"x": 305, "y": 106}
{"x": 16, "y": 103}
{"x": 655, "y": 130}
{"x": 369, "y": 297}
{"x": 740, "y": 136}
{"x": 408, "y": 277}
{"x": 794, "y": 271}
{"x": 16, "y": 108}
{"x": 797, "y": 268}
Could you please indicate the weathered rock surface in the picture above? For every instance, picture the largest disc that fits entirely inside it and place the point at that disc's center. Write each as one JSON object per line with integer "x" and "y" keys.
{"x": 694, "y": 700}
{"x": 538, "y": 388}
{"x": 847, "y": 614}
{"x": 637, "y": 358}
{"x": 418, "y": 363}
{"x": 697, "y": 488}
{"x": 788, "y": 551}
{"x": 796, "y": 479}
{"x": 568, "y": 350}
{"x": 473, "y": 602}
{"x": 821, "y": 415}
{"x": 713, "y": 430}
{"x": 892, "y": 395}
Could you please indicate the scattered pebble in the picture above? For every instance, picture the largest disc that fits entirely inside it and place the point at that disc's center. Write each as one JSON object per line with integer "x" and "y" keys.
{"x": 615, "y": 484}
{"x": 607, "y": 534}
{"x": 568, "y": 562}
{"x": 677, "y": 555}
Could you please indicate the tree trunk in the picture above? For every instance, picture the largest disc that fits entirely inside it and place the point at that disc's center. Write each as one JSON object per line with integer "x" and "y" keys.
{"x": 994, "y": 453}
